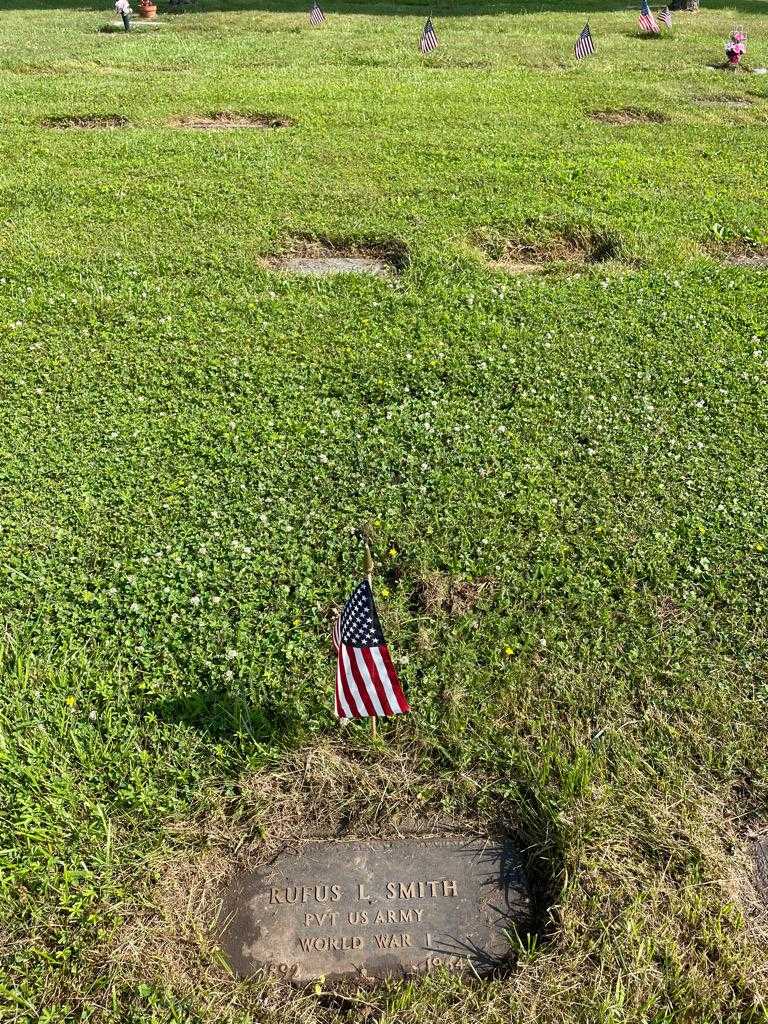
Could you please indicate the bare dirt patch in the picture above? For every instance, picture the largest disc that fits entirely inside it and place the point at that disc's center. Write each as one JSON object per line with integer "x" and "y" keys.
{"x": 723, "y": 99}
{"x": 572, "y": 248}
{"x": 669, "y": 613}
{"x": 325, "y": 792}
{"x": 440, "y": 593}
{"x": 87, "y": 121}
{"x": 748, "y": 860}
{"x": 324, "y": 257}
{"x": 224, "y": 120}
{"x": 627, "y": 116}
{"x": 749, "y": 870}
{"x": 661, "y": 868}
{"x": 745, "y": 254}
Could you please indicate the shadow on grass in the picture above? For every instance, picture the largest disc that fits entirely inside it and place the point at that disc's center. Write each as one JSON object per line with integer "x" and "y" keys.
{"x": 415, "y": 8}
{"x": 539, "y": 834}
{"x": 220, "y": 714}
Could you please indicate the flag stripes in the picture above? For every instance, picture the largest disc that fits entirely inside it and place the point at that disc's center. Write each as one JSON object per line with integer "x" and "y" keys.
{"x": 646, "y": 21}
{"x": 316, "y": 16}
{"x": 366, "y": 681}
{"x": 584, "y": 44}
{"x": 428, "y": 40}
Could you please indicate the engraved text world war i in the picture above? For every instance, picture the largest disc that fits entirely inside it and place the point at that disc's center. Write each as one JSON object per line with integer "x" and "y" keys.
{"x": 374, "y": 909}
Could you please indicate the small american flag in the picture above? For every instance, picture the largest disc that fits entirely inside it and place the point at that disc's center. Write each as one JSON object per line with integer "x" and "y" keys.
{"x": 584, "y": 44}
{"x": 646, "y": 21}
{"x": 666, "y": 17}
{"x": 316, "y": 16}
{"x": 428, "y": 41}
{"x": 366, "y": 682}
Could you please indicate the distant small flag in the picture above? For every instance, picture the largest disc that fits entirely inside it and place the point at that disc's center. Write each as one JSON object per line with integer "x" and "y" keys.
{"x": 666, "y": 17}
{"x": 646, "y": 21}
{"x": 366, "y": 682}
{"x": 584, "y": 44}
{"x": 316, "y": 16}
{"x": 428, "y": 41}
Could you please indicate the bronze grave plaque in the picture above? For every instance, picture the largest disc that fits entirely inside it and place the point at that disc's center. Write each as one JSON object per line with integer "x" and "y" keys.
{"x": 375, "y": 909}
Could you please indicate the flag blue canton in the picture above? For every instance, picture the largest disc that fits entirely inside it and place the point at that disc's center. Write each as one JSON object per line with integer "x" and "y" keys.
{"x": 360, "y": 625}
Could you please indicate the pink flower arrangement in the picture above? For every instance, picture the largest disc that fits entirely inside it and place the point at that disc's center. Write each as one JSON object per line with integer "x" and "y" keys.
{"x": 736, "y": 46}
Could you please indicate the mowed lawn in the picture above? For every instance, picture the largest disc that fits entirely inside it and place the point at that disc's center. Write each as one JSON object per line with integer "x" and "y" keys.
{"x": 564, "y": 476}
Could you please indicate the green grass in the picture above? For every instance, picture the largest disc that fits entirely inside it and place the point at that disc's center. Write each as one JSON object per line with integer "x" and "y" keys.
{"x": 191, "y": 445}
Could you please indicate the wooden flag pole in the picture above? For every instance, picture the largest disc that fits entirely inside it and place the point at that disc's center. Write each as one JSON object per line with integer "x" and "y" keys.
{"x": 368, "y": 563}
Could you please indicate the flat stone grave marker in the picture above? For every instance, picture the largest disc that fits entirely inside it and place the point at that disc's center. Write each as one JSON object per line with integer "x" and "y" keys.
{"x": 136, "y": 26}
{"x": 324, "y": 266}
{"x": 369, "y": 910}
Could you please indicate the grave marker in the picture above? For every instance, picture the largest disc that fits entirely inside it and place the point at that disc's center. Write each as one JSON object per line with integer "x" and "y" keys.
{"x": 369, "y": 910}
